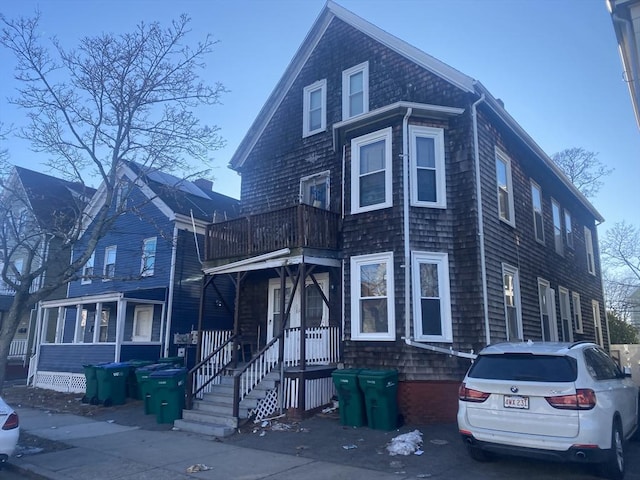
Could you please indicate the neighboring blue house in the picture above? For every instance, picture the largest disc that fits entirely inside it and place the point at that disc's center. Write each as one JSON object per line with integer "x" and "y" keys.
{"x": 142, "y": 284}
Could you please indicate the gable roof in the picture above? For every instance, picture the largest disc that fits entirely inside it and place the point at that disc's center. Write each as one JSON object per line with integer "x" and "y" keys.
{"x": 431, "y": 64}
{"x": 331, "y": 11}
{"x": 52, "y": 199}
{"x": 184, "y": 197}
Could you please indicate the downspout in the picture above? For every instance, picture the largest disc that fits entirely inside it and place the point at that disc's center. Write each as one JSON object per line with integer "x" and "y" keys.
{"x": 405, "y": 222}
{"x": 483, "y": 267}
{"x": 172, "y": 276}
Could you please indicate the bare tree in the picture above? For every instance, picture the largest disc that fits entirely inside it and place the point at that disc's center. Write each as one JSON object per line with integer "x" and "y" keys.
{"x": 582, "y": 168}
{"x": 111, "y": 100}
{"x": 620, "y": 250}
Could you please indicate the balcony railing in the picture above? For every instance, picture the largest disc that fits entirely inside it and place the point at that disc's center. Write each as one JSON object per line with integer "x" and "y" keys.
{"x": 293, "y": 227}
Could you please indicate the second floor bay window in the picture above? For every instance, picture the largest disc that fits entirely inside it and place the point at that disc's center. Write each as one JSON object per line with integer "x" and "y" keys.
{"x": 371, "y": 171}
{"x": 428, "y": 185}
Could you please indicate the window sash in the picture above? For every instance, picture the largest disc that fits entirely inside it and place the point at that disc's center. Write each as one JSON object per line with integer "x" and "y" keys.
{"x": 147, "y": 266}
{"x": 557, "y": 227}
{"x": 588, "y": 240}
{"x": 538, "y": 219}
{"x": 577, "y": 311}
{"x": 87, "y": 270}
{"x": 428, "y": 176}
{"x": 371, "y": 171}
{"x": 568, "y": 228}
{"x": 597, "y": 323}
{"x": 314, "y": 108}
{"x": 504, "y": 188}
{"x": 565, "y": 315}
{"x": 109, "y": 262}
{"x": 372, "y": 299}
{"x": 355, "y": 91}
{"x": 512, "y": 305}
{"x": 431, "y": 297}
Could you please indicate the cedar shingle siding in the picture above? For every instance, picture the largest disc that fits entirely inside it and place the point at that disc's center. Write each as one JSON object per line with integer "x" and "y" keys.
{"x": 273, "y": 162}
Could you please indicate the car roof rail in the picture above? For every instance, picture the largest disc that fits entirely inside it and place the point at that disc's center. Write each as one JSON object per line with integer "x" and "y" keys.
{"x": 579, "y": 342}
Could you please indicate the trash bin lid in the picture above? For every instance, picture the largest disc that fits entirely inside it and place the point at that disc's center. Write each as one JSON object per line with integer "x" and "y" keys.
{"x": 169, "y": 372}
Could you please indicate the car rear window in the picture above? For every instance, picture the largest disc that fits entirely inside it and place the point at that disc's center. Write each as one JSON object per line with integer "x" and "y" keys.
{"x": 525, "y": 367}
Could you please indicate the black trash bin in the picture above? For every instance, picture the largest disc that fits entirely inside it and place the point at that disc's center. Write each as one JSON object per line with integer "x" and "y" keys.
{"x": 351, "y": 402}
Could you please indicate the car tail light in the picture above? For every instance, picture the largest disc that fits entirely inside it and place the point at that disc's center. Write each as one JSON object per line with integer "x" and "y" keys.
{"x": 470, "y": 395}
{"x": 583, "y": 399}
{"x": 11, "y": 422}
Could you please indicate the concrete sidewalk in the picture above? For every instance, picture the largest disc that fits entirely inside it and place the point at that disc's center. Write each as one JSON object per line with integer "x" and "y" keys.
{"x": 103, "y": 450}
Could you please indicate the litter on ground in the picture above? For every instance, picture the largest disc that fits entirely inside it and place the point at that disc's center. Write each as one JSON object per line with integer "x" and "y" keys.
{"x": 405, "y": 444}
{"x": 349, "y": 447}
{"x": 198, "y": 467}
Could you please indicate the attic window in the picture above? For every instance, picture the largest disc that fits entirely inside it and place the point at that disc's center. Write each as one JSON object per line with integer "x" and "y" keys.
{"x": 355, "y": 91}
{"x": 314, "y": 108}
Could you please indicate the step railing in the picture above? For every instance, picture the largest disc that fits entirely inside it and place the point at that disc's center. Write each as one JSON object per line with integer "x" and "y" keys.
{"x": 209, "y": 370}
{"x": 252, "y": 373}
{"x": 18, "y": 348}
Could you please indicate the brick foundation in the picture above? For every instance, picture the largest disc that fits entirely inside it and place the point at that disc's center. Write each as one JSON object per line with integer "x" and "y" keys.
{"x": 428, "y": 402}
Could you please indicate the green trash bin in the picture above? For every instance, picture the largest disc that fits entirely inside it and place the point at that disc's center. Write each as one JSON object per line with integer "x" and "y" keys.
{"x": 351, "y": 402}
{"x": 112, "y": 383}
{"x": 91, "y": 380}
{"x": 133, "y": 389}
{"x": 174, "y": 362}
{"x": 146, "y": 389}
{"x": 168, "y": 393}
{"x": 380, "y": 388}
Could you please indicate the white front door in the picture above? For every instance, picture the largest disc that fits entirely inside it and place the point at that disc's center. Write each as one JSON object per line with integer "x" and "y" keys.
{"x": 142, "y": 323}
{"x": 317, "y": 315}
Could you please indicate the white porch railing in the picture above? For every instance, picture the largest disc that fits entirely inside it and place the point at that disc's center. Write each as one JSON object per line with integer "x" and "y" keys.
{"x": 322, "y": 346}
{"x": 18, "y": 348}
{"x": 212, "y": 341}
{"x": 258, "y": 368}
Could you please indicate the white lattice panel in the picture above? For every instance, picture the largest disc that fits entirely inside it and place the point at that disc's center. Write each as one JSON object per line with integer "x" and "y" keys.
{"x": 61, "y": 382}
{"x": 267, "y": 406}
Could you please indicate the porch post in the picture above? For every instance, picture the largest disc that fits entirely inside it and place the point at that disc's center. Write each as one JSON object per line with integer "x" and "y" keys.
{"x": 121, "y": 310}
{"x": 236, "y": 321}
{"x": 203, "y": 293}
{"x": 283, "y": 285}
{"x": 302, "y": 279}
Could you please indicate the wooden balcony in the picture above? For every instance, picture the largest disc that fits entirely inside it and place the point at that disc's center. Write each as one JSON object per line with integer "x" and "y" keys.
{"x": 294, "y": 227}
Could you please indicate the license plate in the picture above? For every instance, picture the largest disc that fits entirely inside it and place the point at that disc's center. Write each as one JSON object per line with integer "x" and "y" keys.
{"x": 516, "y": 401}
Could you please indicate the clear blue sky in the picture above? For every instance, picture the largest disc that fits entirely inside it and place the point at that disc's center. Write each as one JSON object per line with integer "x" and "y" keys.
{"x": 554, "y": 63}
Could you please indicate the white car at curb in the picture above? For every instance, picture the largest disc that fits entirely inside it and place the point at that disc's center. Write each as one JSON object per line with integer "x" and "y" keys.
{"x": 567, "y": 401}
{"x": 9, "y": 431}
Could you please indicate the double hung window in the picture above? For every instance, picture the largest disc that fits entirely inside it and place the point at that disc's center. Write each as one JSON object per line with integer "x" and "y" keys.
{"x": 355, "y": 91}
{"x": 315, "y": 108}
{"x": 428, "y": 180}
{"x": 371, "y": 171}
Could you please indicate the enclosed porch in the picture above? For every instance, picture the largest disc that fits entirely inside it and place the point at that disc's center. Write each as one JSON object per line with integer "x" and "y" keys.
{"x": 74, "y": 332}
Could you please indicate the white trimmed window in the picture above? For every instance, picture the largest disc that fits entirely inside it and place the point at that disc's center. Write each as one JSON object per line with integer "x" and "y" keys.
{"x": 315, "y": 191}
{"x": 372, "y": 299}
{"x": 142, "y": 323}
{"x": 505, "y": 187}
{"x": 148, "y": 256}
{"x": 548, "y": 319}
{"x": 355, "y": 91}
{"x": 371, "y": 171}
{"x": 109, "y": 262}
{"x": 565, "y": 315}
{"x": 597, "y": 323}
{"x": 538, "y": 221}
{"x": 431, "y": 297}
{"x": 557, "y": 227}
{"x": 588, "y": 243}
{"x": 428, "y": 182}
{"x": 315, "y": 108}
{"x": 577, "y": 312}
{"x": 512, "y": 305}
{"x": 568, "y": 229}
{"x": 87, "y": 270}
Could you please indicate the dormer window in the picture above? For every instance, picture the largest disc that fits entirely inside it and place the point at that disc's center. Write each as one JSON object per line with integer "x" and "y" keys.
{"x": 315, "y": 108}
{"x": 355, "y": 91}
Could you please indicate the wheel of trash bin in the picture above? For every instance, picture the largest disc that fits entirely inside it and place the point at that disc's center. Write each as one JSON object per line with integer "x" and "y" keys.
{"x": 94, "y": 401}
{"x": 108, "y": 402}
{"x": 85, "y": 399}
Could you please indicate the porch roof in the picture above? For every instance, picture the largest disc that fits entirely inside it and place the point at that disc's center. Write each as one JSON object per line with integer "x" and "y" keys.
{"x": 278, "y": 258}
{"x": 143, "y": 296}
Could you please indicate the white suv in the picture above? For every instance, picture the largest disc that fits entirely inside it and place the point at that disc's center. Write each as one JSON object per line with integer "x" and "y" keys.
{"x": 566, "y": 401}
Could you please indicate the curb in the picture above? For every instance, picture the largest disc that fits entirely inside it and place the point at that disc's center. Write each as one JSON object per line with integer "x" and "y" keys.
{"x": 31, "y": 472}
